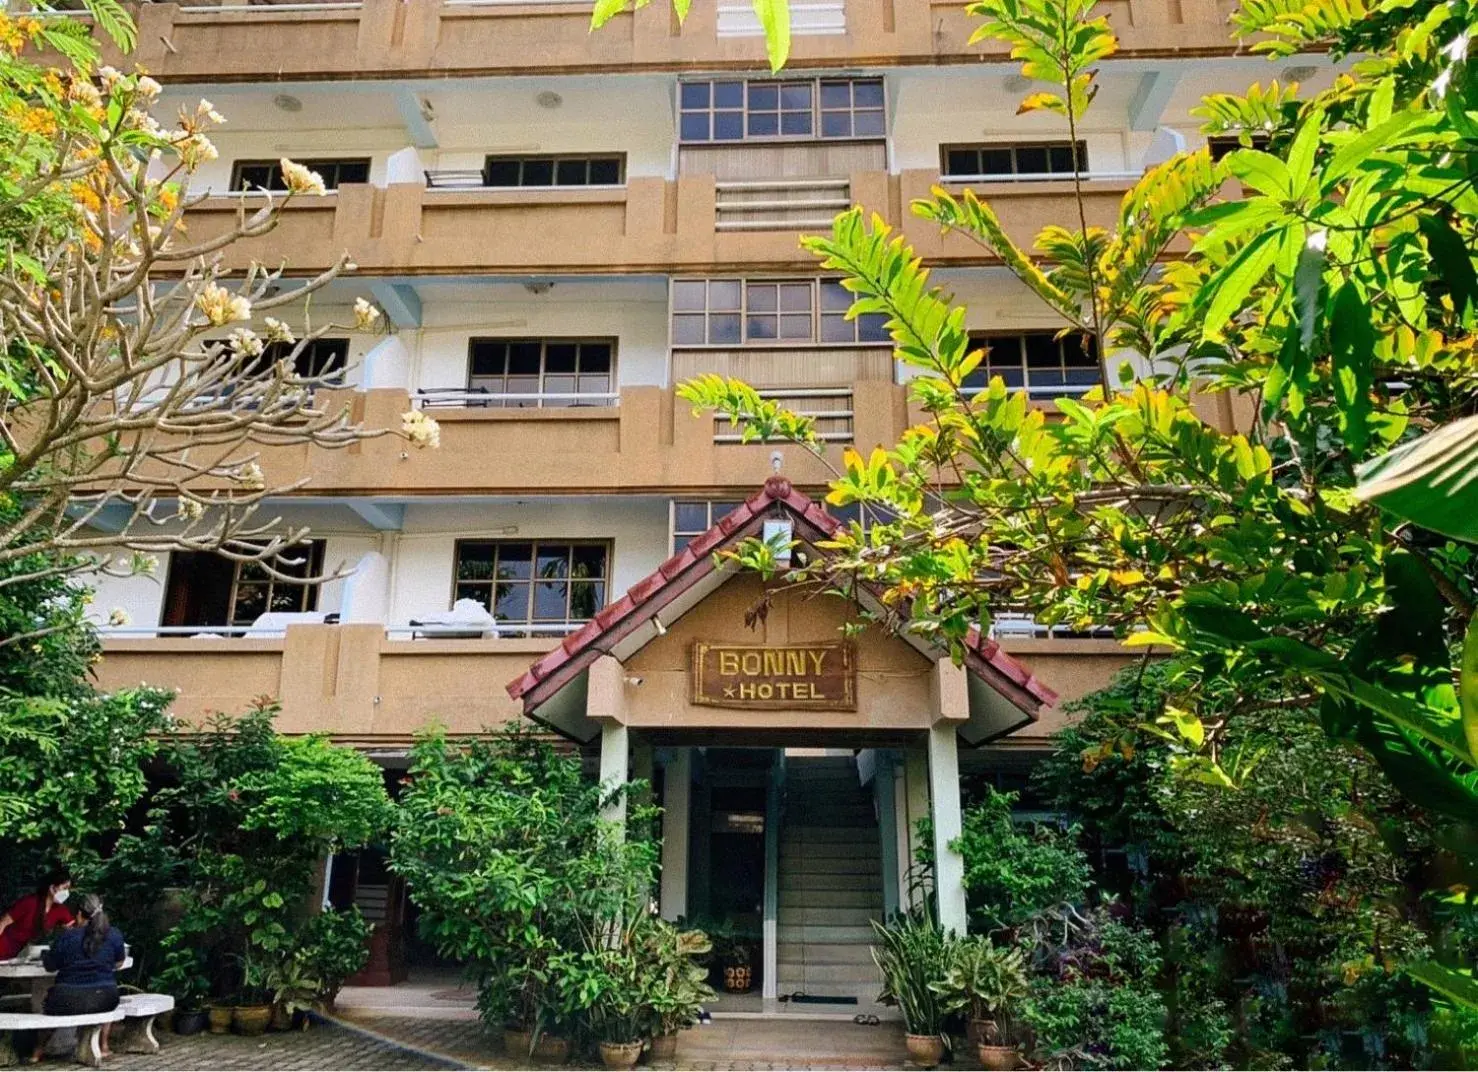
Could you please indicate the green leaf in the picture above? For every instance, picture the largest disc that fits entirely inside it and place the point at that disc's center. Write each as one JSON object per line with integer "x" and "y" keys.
{"x": 1456, "y": 986}
{"x": 1467, "y": 686}
{"x": 1352, "y": 342}
{"x": 1234, "y": 282}
{"x": 774, "y": 16}
{"x": 1452, "y": 261}
{"x": 1431, "y": 481}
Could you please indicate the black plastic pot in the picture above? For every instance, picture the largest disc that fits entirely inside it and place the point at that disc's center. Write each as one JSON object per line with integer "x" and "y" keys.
{"x": 189, "y": 1022}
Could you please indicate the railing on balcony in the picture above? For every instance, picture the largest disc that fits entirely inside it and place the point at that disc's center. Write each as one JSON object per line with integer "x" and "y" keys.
{"x": 779, "y": 204}
{"x": 830, "y": 407}
{"x": 481, "y": 398}
{"x": 414, "y": 630}
{"x": 1040, "y": 176}
{"x": 1025, "y": 627}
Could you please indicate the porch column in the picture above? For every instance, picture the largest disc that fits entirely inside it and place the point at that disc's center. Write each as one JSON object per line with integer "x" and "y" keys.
{"x": 615, "y": 758}
{"x": 771, "y": 930}
{"x": 944, "y": 797}
{"x": 677, "y": 800}
{"x": 884, "y": 787}
{"x": 915, "y": 806}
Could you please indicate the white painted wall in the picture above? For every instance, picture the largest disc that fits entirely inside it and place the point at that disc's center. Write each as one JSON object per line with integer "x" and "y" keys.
{"x": 140, "y": 598}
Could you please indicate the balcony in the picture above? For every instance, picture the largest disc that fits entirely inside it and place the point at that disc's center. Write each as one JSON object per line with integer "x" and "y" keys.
{"x": 695, "y": 224}
{"x": 233, "y": 40}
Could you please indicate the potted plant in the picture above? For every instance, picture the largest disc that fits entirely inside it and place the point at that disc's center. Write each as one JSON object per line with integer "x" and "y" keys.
{"x": 984, "y": 981}
{"x": 732, "y": 954}
{"x": 679, "y": 986}
{"x": 333, "y": 946}
{"x": 911, "y": 953}
{"x": 294, "y": 989}
{"x": 618, "y": 978}
{"x": 190, "y": 986}
{"x": 253, "y": 1010}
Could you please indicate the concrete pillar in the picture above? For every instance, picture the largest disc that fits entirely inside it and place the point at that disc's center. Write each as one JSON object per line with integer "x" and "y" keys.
{"x": 677, "y": 798}
{"x": 916, "y": 807}
{"x": 884, "y": 788}
{"x": 615, "y": 758}
{"x": 771, "y": 944}
{"x": 944, "y": 796}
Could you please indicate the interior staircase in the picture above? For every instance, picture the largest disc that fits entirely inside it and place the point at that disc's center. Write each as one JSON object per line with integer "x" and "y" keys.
{"x": 831, "y": 881}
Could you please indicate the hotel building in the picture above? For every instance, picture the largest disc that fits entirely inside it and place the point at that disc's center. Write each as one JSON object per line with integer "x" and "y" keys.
{"x": 561, "y": 226}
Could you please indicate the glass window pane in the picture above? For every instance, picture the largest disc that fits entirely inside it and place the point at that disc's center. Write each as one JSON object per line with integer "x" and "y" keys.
{"x": 995, "y": 162}
{"x": 961, "y": 162}
{"x": 795, "y": 326}
{"x": 1011, "y": 375}
{"x": 287, "y": 598}
{"x": 687, "y": 329}
{"x": 679, "y": 542}
{"x": 795, "y": 124}
{"x": 511, "y": 602}
{"x": 475, "y": 561}
{"x": 251, "y": 603}
{"x": 723, "y": 296}
{"x": 502, "y": 172}
{"x": 559, "y": 385}
{"x": 868, "y": 124}
{"x": 835, "y": 297}
{"x": 795, "y": 297}
{"x": 515, "y": 560}
{"x": 694, "y": 126}
{"x": 605, "y": 171}
{"x": 599, "y": 384}
{"x": 836, "y": 95}
{"x": 589, "y": 560}
{"x": 763, "y": 124}
{"x": 690, "y": 517}
{"x": 796, "y": 97}
{"x": 688, "y": 295}
{"x": 721, "y": 510}
{"x": 586, "y": 598}
{"x": 1076, "y": 355}
{"x": 560, "y": 356}
{"x": 538, "y": 172}
{"x": 836, "y": 328}
{"x": 723, "y": 328}
{"x": 523, "y": 358}
{"x": 873, "y": 327}
{"x": 1031, "y": 160}
{"x": 553, "y": 560}
{"x": 836, "y": 124}
{"x": 595, "y": 357}
{"x": 762, "y": 297}
{"x": 479, "y": 592}
{"x": 1042, "y": 351}
{"x": 728, "y": 126}
{"x": 867, "y": 94}
{"x": 489, "y": 358}
{"x": 728, "y": 94}
{"x": 1060, "y": 159}
{"x": 764, "y": 97}
{"x": 571, "y": 172}
{"x": 694, "y": 94}
{"x": 549, "y": 601}
{"x": 762, "y": 327}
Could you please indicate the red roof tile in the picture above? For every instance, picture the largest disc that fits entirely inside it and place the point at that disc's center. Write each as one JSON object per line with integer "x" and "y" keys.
{"x": 694, "y": 562}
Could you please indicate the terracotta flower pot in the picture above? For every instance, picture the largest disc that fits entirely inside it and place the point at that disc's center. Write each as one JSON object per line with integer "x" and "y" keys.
{"x": 282, "y": 1020}
{"x": 251, "y": 1019}
{"x": 191, "y": 1021}
{"x": 518, "y": 1042}
{"x": 552, "y": 1050}
{"x": 738, "y": 978}
{"x": 926, "y": 1051}
{"x": 219, "y": 1018}
{"x": 980, "y": 1032}
{"x": 620, "y": 1054}
{"x": 998, "y": 1058}
{"x": 664, "y": 1047}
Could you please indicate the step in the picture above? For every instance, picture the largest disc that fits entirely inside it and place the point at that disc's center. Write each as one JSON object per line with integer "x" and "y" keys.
{"x": 831, "y": 865}
{"x": 795, "y": 975}
{"x": 809, "y": 835}
{"x": 865, "y": 993}
{"x": 837, "y": 897}
{"x": 821, "y": 934}
{"x": 828, "y": 916}
{"x": 830, "y": 850}
{"x": 831, "y": 812}
{"x": 825, "y": 883}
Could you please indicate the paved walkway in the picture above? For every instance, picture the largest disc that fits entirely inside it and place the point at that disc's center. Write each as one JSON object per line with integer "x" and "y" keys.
{"x": 399, "y": 1042}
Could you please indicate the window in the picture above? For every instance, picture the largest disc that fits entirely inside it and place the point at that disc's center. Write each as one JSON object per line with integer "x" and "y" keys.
{"x": 206, "y": 589}
{"x": 692, "y": 519}
{"x": 1006, "y": 160}
{"x": 555, "y": 170}
{"x": 542, "y": 367}
{"x": 267, "y": 174}
{"x": 534, "y": 583}
{"x": 754, "y": 312}
{"x": 1222, "y": 144}
{"x": 729, "y": 111}
{"x": 1048, "y": 367}
{"x": 321, "y": 358}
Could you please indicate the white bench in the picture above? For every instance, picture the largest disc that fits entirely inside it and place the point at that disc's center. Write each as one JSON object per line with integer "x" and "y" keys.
{"x": 144, "y": 1008}
{"x": 89, "y": 1038}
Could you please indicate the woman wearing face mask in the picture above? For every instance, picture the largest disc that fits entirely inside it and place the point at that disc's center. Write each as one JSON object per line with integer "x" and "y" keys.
{"x": 36, "y": 915}
{"x": 86, "y": 960}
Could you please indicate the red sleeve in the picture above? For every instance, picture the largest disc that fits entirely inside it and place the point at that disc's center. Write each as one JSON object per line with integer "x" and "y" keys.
{"x": 59, "y": 916}
{"x": 22, "y": 927}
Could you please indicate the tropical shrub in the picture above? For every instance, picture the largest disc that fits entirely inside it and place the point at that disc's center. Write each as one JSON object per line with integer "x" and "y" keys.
{"x": 911, "y": 952}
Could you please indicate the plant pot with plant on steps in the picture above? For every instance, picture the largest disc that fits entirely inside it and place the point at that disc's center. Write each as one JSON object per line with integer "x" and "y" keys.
{"x": 985, "y": 981}
{"x": 251, "y": 1019}
{"x": 190, "y": 1021}
{"x": 620, "y": 1055}
{"x": 996, "y": 1058}
{"x": 926, "y": 1051}
{"x": 219, "y": 1018}
{"x": 664, "y": 1047}
{"x": 912, "y": 953}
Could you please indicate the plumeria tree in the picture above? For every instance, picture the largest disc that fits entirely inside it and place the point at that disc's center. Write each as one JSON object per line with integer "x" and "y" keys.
{"x": 1335, "y": 300}
{"x": 141, "y": 382}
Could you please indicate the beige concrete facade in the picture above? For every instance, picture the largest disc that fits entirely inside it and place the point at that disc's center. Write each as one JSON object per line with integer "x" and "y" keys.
{"x": 224, "y": 42}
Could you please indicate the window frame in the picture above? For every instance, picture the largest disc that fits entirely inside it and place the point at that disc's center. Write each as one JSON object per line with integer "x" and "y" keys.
{"x": 311, "y": 589}
{"x": 1013, "y": 147}
{"x": 531, "y": 627}
{"x": 319, "y": 165}
{"x": 523, "y": 159}
{"x": 817, "y": 313}
{"x": 708, "y": 504}
{"x": 817, "y": 111}
{"x": 537, "y": 398}
{"x": 1044, "y": 393}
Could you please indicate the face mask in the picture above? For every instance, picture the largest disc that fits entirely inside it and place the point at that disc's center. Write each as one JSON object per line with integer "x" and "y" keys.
{"x": 60, "y": 896}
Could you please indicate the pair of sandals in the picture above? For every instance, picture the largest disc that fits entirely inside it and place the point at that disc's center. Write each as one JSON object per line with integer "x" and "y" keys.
{"x": 866, "y": 1019}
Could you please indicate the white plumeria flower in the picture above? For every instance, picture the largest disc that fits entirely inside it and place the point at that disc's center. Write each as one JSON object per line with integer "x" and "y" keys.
{"x": 190, "y": 510}
{"x": 279, "y": 332}
{"x": 300, "y": 180}
{"x": 148, "y": 88}
{"x": 195, "y": 150}
{"x": 250, "y": 476}
{"x": 118, "y": 616}
{"x": 366, "y": 315}
{"x": 206, "y": 110}
{"x": 220, "y": 306}
{"x": 420, "y": 429}
{"x": 245, "y": 341}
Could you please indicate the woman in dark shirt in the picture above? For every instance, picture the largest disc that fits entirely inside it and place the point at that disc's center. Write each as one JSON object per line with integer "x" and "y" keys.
{"x": 86, "y": 960}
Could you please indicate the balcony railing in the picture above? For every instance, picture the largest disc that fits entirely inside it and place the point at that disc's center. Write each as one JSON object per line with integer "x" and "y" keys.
{"x": 779, "y": 204}
{"x": 830, "y": 407}
{"x": 480, "y": 398}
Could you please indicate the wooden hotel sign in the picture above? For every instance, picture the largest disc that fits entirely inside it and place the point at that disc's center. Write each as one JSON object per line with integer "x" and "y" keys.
{"x": 816, "y": 677}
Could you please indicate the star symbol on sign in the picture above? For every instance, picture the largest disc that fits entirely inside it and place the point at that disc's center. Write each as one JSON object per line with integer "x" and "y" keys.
{"x": 728, "y": 692}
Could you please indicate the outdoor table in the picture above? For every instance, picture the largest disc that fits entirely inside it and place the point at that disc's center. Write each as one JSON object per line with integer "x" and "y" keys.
{"x": 63, "y": 1039}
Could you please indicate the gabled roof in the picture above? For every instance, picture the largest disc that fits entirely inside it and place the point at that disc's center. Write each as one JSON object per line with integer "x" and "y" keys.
{"x": 627, "y": 624}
